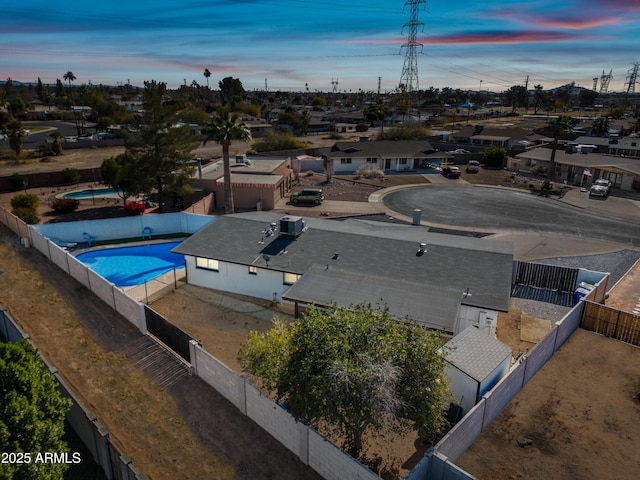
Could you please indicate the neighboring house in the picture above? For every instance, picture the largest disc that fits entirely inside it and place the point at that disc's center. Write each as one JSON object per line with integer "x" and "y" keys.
{"x": 387, "y": 155}
{"x": 508, "y": 138}
{"x": 475, "y": 364}
{"x": 620, "y": 170}
{"x": 258, "y": 182}
{"x": 444, "y": 282}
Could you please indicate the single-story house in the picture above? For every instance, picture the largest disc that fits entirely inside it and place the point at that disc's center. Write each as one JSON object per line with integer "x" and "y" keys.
{"x": 623, "y": 147}
{"x": 444, "y": 282}
{"x": 258, "y": 182}
{"x": 475, "y": 364}
{"x": 507, "y": 138}
{"x": 570, "y": 166}
{"x": 386, "y": 155}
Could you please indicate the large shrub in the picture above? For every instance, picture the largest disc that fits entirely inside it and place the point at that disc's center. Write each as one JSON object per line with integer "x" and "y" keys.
{"x": 25, "y": 200}
{"x": 64, "y": 205}
{"x": 494, "y": 156}
{"x": 71, "y": 175}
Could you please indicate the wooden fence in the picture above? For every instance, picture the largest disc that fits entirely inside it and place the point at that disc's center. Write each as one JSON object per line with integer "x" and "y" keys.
{"x": 610, "y": 322}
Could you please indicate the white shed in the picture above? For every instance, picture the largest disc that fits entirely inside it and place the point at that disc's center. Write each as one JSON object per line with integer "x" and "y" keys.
{"x": 476, "y": 362}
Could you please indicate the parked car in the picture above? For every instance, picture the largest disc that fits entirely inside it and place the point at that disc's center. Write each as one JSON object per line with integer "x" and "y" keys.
{"x": 3, "y": 137}
{"x": 86, "y": 136}
{"x": 473, "y": 166}
{"x": 451, "y": 171}
{"x": 308, "y": 195}
{"x": 600, "y": 188}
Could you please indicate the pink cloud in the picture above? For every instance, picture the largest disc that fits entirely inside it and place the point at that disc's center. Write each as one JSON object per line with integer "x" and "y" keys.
{"x": 575, "y": 23}
{"x": 503, "y": 38}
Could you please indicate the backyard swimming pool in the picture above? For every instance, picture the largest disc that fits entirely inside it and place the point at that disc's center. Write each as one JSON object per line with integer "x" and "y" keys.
{"x": 90, "y": 193}
{"x": 129, "y": 266}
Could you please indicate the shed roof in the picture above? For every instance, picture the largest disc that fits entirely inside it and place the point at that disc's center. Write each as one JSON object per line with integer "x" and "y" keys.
{"x": 476, "y": 353}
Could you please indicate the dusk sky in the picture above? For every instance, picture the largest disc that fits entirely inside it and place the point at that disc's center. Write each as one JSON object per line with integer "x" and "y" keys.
{"x": 289, "y": 43}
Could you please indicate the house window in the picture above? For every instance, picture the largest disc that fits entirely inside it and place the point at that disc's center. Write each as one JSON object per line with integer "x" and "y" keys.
{"x": 207, "y": 263}
{"x": 372, "y": 160}
{"x": 345, "y": 160}
{"x": 290, "y": 278}
{"x": 403, "y": 161}
{"x": 253, "y": 270}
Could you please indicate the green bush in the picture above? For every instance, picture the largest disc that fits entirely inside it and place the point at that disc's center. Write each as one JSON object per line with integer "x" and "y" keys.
{"x": 26, "y": 215}
{"x": 71, "y": 175}
{"x": 493, "y": 156}
{"x": 64, "y": 205}
{"x": 25, "y": 200}
{"x": 18, "y": 181}
{"x": 538, "y": 170}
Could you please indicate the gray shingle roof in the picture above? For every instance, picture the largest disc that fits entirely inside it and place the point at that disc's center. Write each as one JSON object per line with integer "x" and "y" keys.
{"x": 371, "y": 250}
{"x": 380, "y": 149}
{"x": 476, "y": 353}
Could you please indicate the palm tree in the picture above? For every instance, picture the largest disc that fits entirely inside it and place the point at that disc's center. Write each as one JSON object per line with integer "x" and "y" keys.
{"x": 600, "y": 126}
{"x": 224, "y": 128}
{"x": 561, "y": 124}
{"x": 207, "y": 74}
{"x": 69, "y": 77}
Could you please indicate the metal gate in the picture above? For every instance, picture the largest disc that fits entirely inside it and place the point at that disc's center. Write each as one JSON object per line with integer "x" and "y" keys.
{"x": 547, "y": 283}
{"x": 167, "y": 333}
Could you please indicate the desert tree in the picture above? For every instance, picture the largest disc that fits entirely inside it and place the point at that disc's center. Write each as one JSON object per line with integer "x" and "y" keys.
{"x": 226, "y": 128}
{"x": 355, "y": 370}
{"x": 600, "y": 126}
{"x": 123, "y": 174}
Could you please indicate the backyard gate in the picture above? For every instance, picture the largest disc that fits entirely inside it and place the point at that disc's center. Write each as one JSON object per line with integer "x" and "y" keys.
{"x": 611, "y": 322}
{"x": 546, "y": 283}
{"x": 167, "y": 333}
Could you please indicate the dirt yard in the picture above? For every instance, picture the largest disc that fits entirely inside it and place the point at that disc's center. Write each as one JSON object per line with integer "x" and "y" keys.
{"x": 578, "y": 418}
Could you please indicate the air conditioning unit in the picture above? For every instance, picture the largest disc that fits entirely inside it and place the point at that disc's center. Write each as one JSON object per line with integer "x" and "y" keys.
{"x": 291, "y": 225}
{"x": 25, "y": 242}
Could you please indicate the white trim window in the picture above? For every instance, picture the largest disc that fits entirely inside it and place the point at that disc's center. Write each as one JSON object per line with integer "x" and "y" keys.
{"x": 345, "y": 160}
{"x": 207, "y": 264}
{"x": 253, "y": 270}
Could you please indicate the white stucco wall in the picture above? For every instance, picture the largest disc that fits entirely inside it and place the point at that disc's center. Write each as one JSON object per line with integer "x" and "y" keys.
{"x": 235, "y": 278}
{"x": 464, "y": 388}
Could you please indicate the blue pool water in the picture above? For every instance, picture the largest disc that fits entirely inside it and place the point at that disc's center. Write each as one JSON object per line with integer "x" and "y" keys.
{"x": 129, "y": 266}
{"x": 89, "y": 193}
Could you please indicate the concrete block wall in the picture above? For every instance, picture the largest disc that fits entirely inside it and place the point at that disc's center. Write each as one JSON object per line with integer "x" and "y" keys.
{"x": 504, "y": 391}
{"x": 464, "y": 433}
{"x": 274, "y": 419}
{"x": 216, "y": 374}
{"x": 332, "y": 463}
{"x": 540, "y": 354}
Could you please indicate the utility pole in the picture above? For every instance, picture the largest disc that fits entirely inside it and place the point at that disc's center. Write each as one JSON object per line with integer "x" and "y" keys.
{"x": 632, "y": 79}
{"x": 409, "y": 76}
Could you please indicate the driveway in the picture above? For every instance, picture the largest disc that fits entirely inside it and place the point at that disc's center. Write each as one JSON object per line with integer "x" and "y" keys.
{"x": 495, "y": 210}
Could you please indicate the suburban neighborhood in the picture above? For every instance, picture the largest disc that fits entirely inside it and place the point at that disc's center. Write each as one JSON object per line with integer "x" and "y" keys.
{"x": 495, "y": 238}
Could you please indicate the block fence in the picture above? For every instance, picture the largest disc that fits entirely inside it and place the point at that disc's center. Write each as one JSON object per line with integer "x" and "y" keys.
{"x": 116, "y": 466}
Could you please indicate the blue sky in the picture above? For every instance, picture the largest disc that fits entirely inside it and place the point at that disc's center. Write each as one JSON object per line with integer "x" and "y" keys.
{"x": 289, "y": 43}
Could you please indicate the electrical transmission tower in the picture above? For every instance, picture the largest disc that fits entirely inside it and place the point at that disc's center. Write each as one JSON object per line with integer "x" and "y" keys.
{"x": 409, "y": 77}
{"x": 334, "y": 84}
{"x": 632, "y": 79}
{"x": 604, "y": 82}
{"x": 595, "y": 83}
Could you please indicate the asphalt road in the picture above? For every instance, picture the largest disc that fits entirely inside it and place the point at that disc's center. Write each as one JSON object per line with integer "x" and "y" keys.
{"x": 494, "y": 209}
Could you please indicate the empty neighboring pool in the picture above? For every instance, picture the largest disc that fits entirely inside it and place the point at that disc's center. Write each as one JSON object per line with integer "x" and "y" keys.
{"x": 90, "y": 193}
{"x": 133, "y": 265}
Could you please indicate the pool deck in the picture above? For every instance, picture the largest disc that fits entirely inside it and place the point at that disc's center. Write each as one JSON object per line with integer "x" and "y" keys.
{"x": 156, "y": 288}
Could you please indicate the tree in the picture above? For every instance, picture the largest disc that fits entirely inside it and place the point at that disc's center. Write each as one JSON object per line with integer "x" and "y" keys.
{"x": 56, "y": 146}
{"x": 16, "y": 132}
{"x": 122, "y": 173}
{"x": 559, "y": 125}
{"x": 163, "y": 150}
{"x": 493, "y": 156}
{"x": 33, "y": 412}
{"x": 539, "y": 99}
{"x": 356, "y": 370}
{"x": 207, "y": 75}
{"x": 600, "y": 126}
{"x": 231, "y": 91}
{"x": 69, "y": 77}
{"x": 224, "y": 129}
{"x": 517, "y": 96}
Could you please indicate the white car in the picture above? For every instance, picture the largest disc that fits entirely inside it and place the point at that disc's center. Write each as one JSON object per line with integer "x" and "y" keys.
{"x": 4, "y": 137}
{"x": 600, "y": 188}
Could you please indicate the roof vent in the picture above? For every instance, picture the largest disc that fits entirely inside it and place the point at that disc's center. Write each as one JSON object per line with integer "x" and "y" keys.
{"x": 292, "y": 226}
